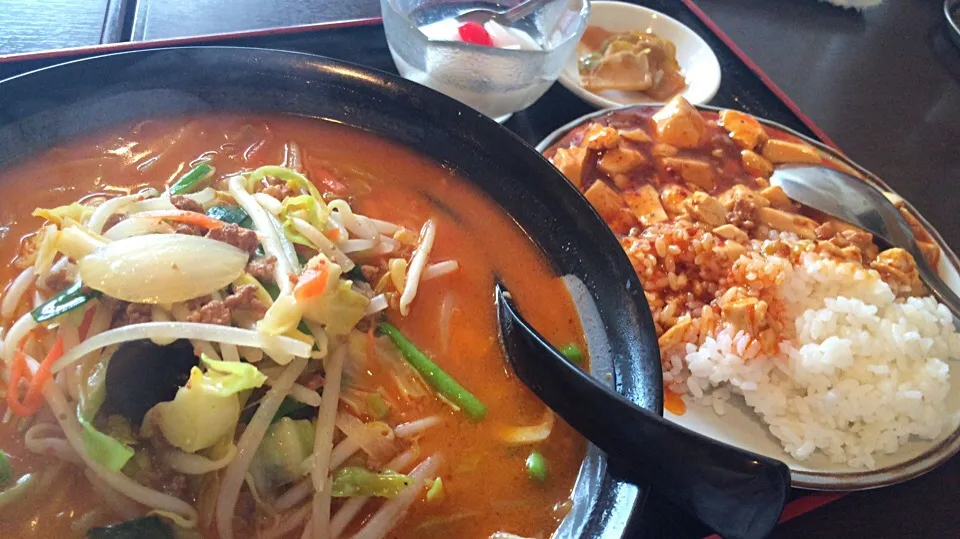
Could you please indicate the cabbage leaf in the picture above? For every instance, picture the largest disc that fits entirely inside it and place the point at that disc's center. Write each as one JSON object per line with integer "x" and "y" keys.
{"x": 225, "y": 378}
{"x": 355, "y": 481}
{"x": 107, "y": 451}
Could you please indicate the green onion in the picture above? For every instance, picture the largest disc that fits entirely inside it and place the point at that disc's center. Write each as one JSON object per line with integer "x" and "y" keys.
{"x": 434, "y": 375}
{"x": 537, "y": 466}
{"x": 18, "y": 491}
{"x": 287, "y": 407}
{"x": 231, "y": 214}
{"x": 355, "y": 481}
{"x": 65, "y": 301}
{"x": 573, "y": 353}
{"x": 435, "y": 493}
{"x": 190, "y": 181}
{"x": 378, "y": 407}
{"x": 6, "y": 472}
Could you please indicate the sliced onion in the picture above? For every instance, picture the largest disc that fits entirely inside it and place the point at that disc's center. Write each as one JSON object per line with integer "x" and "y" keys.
{"x": 186, "y": 330}
{"x": 102, "y": 214}
{"x": 137, "y": 226}
{"x": 417, "y": 262}
{"x": 377, "y": 304}
{"x": 358, "y": 225}
{"x": 439, "y": 269}
{"x": 352, "y": 246}
{"x": 323, "y": 243}
{"x": 415, "y": 428}
{"x": 529, "y": 435}
{"x": 268, "y": 203}
{"x": 272, "y": 239}
{"x": 205, "y": 197}
{"x": 375, "y": 438}
{"x": 15, "y": 292}
{"x": 194, "y": 464}
{"x": 384, "y": 227}
{"x": 151, "y": 204}
{"x": 162, "y": 268}
{"x": 18, "y": 331}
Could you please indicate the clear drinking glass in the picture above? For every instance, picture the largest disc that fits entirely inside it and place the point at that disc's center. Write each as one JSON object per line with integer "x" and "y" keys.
{"x": 496, "y": 82}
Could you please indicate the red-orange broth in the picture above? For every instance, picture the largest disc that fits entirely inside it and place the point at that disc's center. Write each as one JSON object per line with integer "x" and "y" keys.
{"x": 485, "y": 482}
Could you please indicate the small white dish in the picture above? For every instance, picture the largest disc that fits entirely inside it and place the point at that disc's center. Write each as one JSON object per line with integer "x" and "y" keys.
{"x": 700, "y": 65}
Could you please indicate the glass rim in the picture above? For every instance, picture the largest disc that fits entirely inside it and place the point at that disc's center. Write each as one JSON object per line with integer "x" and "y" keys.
{"x": 584, "y": 16}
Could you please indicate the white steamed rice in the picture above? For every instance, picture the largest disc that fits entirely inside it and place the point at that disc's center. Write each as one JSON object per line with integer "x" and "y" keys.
{"x": 863, "y": 373}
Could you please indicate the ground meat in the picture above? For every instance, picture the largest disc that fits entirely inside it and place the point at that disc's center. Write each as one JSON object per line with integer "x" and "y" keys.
{"x": 845, "y": 236}
{"x": 188, "y": 230}
{"x": 113, "y": 220}
{"x": 215, "y": 312}
{"x": 245, "y": 298}
{"x": 186, "y": 204}
{"x": 278, "y": 189}
{"x": 262, "y": 268}
{"x": 237, "y": 236}
{"x": 130, "y": 313}
{"x": 370, "y": 273}
{"x": 58, "y": 280}
{"x": 174, "y": 485}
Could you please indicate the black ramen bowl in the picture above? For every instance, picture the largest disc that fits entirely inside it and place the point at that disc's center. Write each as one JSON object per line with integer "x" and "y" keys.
{"x": 49, "y": 106}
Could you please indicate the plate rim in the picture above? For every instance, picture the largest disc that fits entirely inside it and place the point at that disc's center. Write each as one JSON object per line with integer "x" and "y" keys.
{"x": 926, "y": 461}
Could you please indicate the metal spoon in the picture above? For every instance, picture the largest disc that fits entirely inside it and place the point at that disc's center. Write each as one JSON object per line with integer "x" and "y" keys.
{"x": 503, "y": 18}
{"x": 856, "y": 202}
{"x": 737, "y": 493}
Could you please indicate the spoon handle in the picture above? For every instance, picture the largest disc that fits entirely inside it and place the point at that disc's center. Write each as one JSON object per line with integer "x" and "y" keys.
{"x": 899, "y": 234}
{"x": 737, "y": 493}
{"x": 521, "y": 10}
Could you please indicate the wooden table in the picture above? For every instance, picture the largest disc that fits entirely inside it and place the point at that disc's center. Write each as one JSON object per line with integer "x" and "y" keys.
{"x": 883, "y": 84}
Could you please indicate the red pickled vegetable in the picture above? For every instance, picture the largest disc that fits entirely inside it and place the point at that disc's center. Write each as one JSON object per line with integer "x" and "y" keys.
{"x": 475, "y": 33}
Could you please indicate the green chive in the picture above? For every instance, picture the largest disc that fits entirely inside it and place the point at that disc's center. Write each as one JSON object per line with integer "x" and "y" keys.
{"x": 445, "y": 385}
{"x": 190, "y": 181}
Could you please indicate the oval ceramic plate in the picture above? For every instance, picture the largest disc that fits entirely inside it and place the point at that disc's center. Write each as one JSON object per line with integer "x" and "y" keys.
{"x": 700, "y": 65}
{"x": 740, "y": 426}
{"x": 45, "y": 107}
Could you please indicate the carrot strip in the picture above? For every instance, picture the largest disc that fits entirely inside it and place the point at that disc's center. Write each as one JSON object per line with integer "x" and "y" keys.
{"x": 312, "y": 283}
{"x": 181, "y": 216}
{"x": 18, "y": 368}
{"x": 34, "y": 398}
{"x": 85, "y": 324}
{"x": 326, "y": 178}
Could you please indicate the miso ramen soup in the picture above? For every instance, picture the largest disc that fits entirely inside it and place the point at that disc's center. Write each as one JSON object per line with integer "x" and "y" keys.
{"x": 268, "y": 327}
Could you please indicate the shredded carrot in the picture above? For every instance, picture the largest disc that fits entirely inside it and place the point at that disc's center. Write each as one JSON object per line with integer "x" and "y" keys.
{"x": 325, "y": 178}
{"x": 34, "y": 398}
{"x": 181, "y": 216}
{"x": 312, "y": 283}
{"x": 18, "y": 368}
{"x": 87, "y": 320}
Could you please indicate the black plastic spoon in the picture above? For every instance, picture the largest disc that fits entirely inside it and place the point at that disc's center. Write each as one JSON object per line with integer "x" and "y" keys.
{"x": 737, "y": 493}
